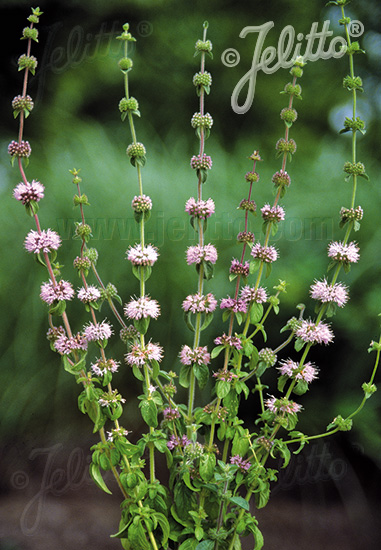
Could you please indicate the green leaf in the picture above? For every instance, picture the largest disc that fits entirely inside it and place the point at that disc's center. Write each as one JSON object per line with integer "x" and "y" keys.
{"x": 184, "y": 377}
{"x": 207, "y": 466}
{"x": 189, "y": 544}
{"x": 208, "y": 319}
{"x": 301, "y": 387}
{"x": 205, "y": 545}
{"x": 216, "y": 351}
{"x": 97, "y": 478}
{"x": 142, "y": 324}
{"x": 148, "y": 411}
{"x": 222, "y": 388}
{"x": 256, "y": 313}
{"x": 137, "y": 536}
{"x": 201, "y": 373}
{"x": 241, "y": 502}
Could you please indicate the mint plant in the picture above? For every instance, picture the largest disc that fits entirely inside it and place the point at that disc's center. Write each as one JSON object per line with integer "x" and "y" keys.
{"x": 218, "y": 471}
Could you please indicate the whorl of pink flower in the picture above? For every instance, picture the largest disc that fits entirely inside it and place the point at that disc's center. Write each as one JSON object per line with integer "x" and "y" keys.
{"x": 204, "y": 162}
{"x": 200, "y": 209}
{"x": 62, "y": 290}
{"x": 199, "y": 355}
{"x": 231, "y": 341}
{"x": 345, "y": 253}
{"x": 250, "y": 294}
{"x": 46, "y": 241}
{"x": 315, "y": 333}
{"x": 196, "y": 254}
{"x": 272, "y": 213}
{"x": 238, "y": 268}
{"x": 145, "y": 256}
{"x": 65, "y": 345}
{"x": 97, "y": 331}
{"x": 101, "y": 367}
{"x": 170, "y": 414}
{"x": 27, "y": 192}
{"x": 175, "y": 441}
{"x": 242, "y": 464}
{"x": 282, "y": 405}
{"x": 307, "y": 372}
{"x": 89, "y": 294}
{"x": 267, "y": 254}
{"x": 234, "y": 305}
{"x": 142, "y": 307}
{"x": 198, "y": 303}
{"x": 140, "y": 355}
{"x": 327, "y": 293}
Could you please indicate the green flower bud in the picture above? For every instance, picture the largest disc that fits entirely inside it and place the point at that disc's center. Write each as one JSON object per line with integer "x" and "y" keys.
{"x": 27, "y": 62}
{"x": 82, "y": 231}
{"x": 289, "y": 115}
{"x": 285, "y": 146}
{"x": 82, "y": 265}
{"x": 353, "y": 83}
{"x": 296, "y": 90}
{"x": 130, "y": 104}
{"x": 202, "y": 79}
{"x": 296, "y": 71}
{"x": 30, "y": 33}
{"x": 92, "y": 254}
{"x": 125, "y": 64}
{"x": 204, "y": 121}
{"x": 128, "y": 333}
{"x": 137, "y": 153}
{"x": 204, "y": 46}
{"x": 354, "y": 168}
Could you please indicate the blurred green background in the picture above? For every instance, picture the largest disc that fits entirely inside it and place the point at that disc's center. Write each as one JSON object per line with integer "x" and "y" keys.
{"x": 76, "y": 123}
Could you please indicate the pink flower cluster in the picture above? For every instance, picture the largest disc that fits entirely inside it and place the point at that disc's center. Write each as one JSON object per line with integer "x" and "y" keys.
{"x": 45, "y": 241}
{"x": 65, "y": 345}
{"x": 228, "y": 341}
{"x": 170, "y": 414}
{"x": 251, "y": 294}
{"x": 234, "y": 305}
{"x": 97, "y": 331}
{"x": 62, "y": 290}
{"x": 311, "y": 332}
{"x": 328, "y": 293}
{"x": 306, "y": 372}
{"x": 282, "y": 405}
{"x": 198, "y": 303}
{"x": 345, "y": 253}
{"x": 198, "y": 356}
{"x": 200, "y": 209}
{"x": 272, "y": 213}
{"x": 197, "y": 254}
{"x": 142, "y": 307}
{"x": 145, "y": 256}
{"x": 238, "y": 268}
{"x": 178, "y": 442}
{"x": 27, "y": 192}
{"x": 89, "y": 294}
{"x": 141, "y": 355}
{"x": 100, "y": 367}
{"x": 242, "y": 464}
{"x": 267, "y": 254}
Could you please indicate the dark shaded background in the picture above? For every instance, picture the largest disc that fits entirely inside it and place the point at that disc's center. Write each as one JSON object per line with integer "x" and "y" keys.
{"x": 332, "y": 491}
